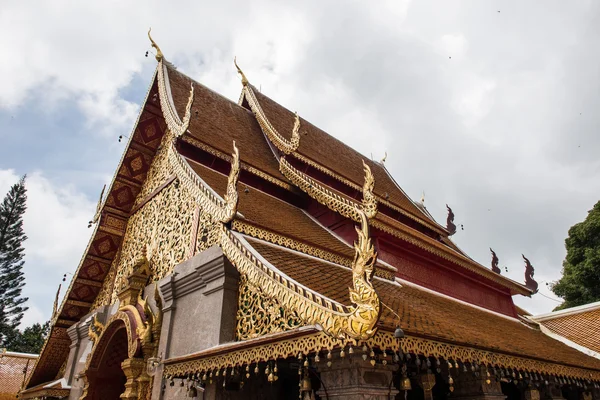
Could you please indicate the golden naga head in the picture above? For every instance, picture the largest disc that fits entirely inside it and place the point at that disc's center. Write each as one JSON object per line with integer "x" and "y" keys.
{"x": 159, "y": 55}
{"x": 239, "y": 70}
{"x": 369, "y": 201}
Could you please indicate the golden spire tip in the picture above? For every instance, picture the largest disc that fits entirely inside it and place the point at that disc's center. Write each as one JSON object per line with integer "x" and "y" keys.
{"x": 239, "y": 70}
{"x": 159, "y": 55}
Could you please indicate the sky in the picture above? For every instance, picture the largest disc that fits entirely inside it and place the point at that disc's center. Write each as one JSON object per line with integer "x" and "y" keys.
{"x": 489, "y": 107}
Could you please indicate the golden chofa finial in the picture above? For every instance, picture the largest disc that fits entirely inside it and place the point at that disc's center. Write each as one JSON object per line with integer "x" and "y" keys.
{"x": 239, "y": 70}
{"x": 159, "y": 55}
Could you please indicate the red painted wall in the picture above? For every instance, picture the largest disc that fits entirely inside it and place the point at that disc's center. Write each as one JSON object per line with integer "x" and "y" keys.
{"x": 423, "y": 268}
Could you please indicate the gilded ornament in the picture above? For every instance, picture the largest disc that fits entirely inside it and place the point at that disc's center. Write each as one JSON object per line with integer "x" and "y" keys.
{"x": 239, "y": 70}
{"x": 383, "y": 340}
{"x": 284, "y": 145}
{"x": 159, "y": 55}
{"x": 95, "y": 329}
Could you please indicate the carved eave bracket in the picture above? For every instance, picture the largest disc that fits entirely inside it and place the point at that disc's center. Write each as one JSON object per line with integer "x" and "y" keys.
{"x": 284, "y": 145}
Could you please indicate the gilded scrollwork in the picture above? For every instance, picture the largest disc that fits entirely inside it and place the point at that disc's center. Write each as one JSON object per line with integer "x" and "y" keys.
{"x": 383, "y": 340}
{"x": 195, "y": 142}
{"x": 220, "y": 209}
{"x": 259, "y": 314}
{"x": 342, "y": 322}
{"x": 95, "y": 329}
{"x": 319, "y": 192}
{"x": 166, "y": 220}
{"x": 290, "y": 243}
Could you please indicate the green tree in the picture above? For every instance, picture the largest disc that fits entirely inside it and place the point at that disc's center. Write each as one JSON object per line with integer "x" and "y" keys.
{"x": 30, "y": 340}
{"x": 12, "y": 252}
{"x": 580, "y": 283}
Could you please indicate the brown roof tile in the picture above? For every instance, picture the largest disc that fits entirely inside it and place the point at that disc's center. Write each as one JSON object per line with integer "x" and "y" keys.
{"x": 427, "y": 314}
{"x": 220, "y": 121}
{"x": 319, "y": 146}
{"x": 276, "y": 215}
{"x": 582, "y": 328}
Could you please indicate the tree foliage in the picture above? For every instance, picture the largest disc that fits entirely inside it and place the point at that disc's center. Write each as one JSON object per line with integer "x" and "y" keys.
{"x": 12, "y": 253}
{"x": 580, "y": 283}
{"x": 30, "y": 340}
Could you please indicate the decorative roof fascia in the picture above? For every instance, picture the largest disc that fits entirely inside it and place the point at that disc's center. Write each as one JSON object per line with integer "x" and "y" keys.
{"x": 302, "y": 344}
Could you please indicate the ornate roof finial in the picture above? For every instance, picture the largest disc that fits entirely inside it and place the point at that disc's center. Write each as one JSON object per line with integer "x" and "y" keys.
{"x": 495, "y": 261}
{"x": 159, "y": 55}
{"x": 369, "y": 201}
{"x": 423, "y": 198}
{"x": 450, "y": 221}
{"x": 384, "y": 158}
{"x": 239, "y": 70}
{"x": 529, "y": 281}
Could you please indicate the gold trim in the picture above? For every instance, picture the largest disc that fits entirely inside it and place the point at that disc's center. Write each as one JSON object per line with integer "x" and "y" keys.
{"x": 281, "y": 240}
{"x": 319, "y": 192}
{"x": 284, "y": 145}
{"x": 383, "y": 340}
{"x": 195, "y": 142}
{"x": 159, "y": 55}
{"x": 337, "y": 320}
{"x": 220, "y": 209}
{"x": 354, "y": 186}
{"x": 176, "y": 126}
{"x": 239, "y": 70}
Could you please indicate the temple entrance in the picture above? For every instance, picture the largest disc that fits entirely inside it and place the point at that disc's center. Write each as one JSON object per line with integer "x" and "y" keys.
{"x": 107, "y": 382}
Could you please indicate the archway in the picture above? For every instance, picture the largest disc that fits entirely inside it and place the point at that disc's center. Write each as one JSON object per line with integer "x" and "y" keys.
{"x": 106, "y": 379}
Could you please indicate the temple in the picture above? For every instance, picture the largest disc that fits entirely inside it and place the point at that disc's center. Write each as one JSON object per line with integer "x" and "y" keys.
{"x": 240, "y": 252}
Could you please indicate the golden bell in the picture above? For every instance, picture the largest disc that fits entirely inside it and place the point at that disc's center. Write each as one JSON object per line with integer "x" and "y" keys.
{"x": 405, "y": 384}
{"x": 306, "y": 386}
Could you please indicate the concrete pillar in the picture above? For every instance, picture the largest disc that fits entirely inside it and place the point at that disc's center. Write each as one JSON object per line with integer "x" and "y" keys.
{"x": 199, "y": 308}
{"x": 352, "y": 378}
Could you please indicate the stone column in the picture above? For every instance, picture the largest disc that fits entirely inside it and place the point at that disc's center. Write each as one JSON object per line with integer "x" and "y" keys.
{"x": 133, "y": 369}
{"x": 469, "y": 386}
{"x": 352, "y": 378}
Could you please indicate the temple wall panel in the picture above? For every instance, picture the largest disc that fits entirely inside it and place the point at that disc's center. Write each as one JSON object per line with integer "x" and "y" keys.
{"x": 445, "y": 280}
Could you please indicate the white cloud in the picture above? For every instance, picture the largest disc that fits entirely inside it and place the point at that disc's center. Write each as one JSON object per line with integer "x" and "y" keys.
{"x": 56, "y": 226}
{"x": 490, "y": 128}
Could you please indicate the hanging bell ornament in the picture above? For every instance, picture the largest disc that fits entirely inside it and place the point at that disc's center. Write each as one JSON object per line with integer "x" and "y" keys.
{"x": 317, "y": 358}
{"x": 405, "y": 383}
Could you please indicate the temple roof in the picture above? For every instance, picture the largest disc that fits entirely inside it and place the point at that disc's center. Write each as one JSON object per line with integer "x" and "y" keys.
{"x": 298, "y": 252}
{"x": 425, "y": 313}
{"x": 580, "y": 325}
